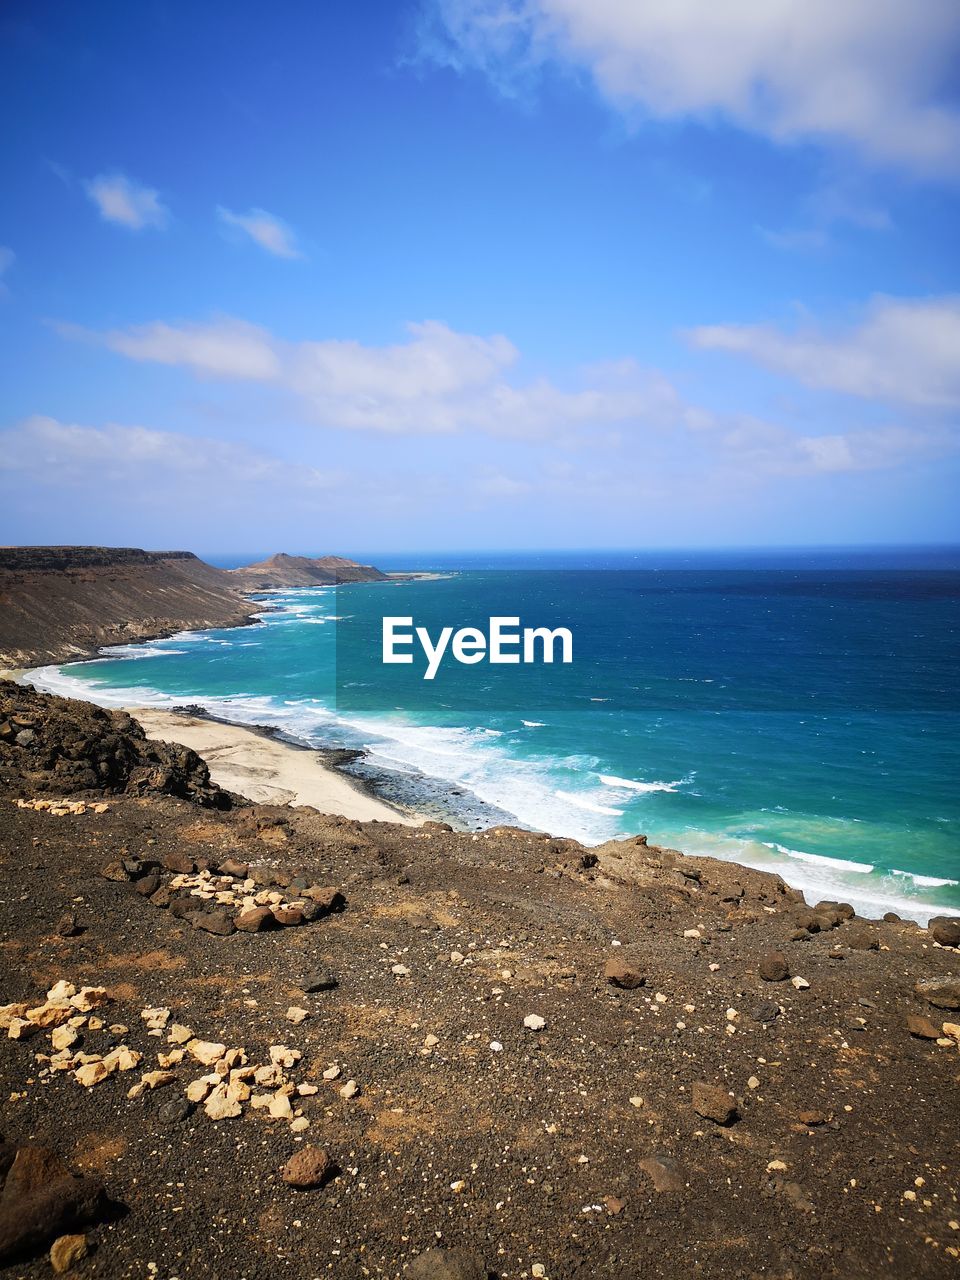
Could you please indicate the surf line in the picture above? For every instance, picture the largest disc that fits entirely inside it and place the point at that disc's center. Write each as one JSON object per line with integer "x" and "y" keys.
{"x": 503, "y": 642}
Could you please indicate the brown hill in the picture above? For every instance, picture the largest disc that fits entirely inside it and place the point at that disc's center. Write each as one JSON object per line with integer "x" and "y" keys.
{"x": 62, "y": 603}
{"x": 282, "y": 571}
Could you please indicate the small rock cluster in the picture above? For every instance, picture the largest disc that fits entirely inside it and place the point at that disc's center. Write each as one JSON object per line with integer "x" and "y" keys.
{"x": 227, "y": 897}
{"x": 229, "y": 1080}
{"x": 62, "y": 807}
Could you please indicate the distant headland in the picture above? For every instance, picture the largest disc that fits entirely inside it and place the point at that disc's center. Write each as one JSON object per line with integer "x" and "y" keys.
{"x": 60, "y": 604}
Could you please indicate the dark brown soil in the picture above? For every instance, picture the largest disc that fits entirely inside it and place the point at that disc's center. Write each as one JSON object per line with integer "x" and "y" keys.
{"x": 531, "y": 1158}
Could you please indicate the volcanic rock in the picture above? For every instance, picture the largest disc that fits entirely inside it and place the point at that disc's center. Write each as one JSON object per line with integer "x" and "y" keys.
{"x": 307, "y": 1168}
{"x": 922, "y": 1028}
{"x": 945, "y": 930}
{"x": 713, "y": 1102}
{"x": 41, "y": 1200}
{"x": 942, "y": 992}
{"x": 620, "y": 972}
{"x": 664, "y": 1172}
{"x": 255, "y": 920}
{"x": 773, "y": 967}
{"x": 447, "y": 1264}
{"x": 765, "y": 1011}
{"x": 213, "y": 922}
{"x": 320, "y": 981}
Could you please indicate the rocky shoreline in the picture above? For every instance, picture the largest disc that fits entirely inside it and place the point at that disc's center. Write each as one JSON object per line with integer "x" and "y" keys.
{"x": 239, "y": 1038}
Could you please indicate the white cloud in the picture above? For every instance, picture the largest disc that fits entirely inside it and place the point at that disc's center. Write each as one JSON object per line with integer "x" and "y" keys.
{"x": 861, "y": 72}
{"x": 905, "y": 350}
{"x": 266, "y": 230}
{"x": 141, "y": 464}
{"x": 764, "y": 448}
{"x": 221, "y": 349}
{"x": 437, "y": 382}
{"x": 441, "y": 382}
{"x": 127, "y": 202}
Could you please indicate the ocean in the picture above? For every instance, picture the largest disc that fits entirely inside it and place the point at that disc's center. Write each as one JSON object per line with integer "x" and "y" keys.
{"x": 794, "y": 713}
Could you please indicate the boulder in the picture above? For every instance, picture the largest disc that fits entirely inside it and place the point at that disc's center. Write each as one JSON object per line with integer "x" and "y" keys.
{"x": 713, "y": 1102}
{"x": 115, "y": 871}
{"x": 213, "y": 922}
{"x": 664, "y": 1172}
{"x": 945, "y": 930}
{"x": 307, "y": 1168}
{"x": 863, "y": 939}
{"x": 42, "y": 1200}
{"x": 922, "y": 1028}
{"x": 181, "y": 908}
{"x": 447, "y": 1264}
{"x": 773, "y": 967}
{"x": 326, "y": 900}
{"x": 621, "y": 972}
{"x": 942, "y": 992}
{"x": 179, "y": 863}
{"x": 232, "y": 867}
{"x": 255, "y": 920}
{"x": 288, "y": 916}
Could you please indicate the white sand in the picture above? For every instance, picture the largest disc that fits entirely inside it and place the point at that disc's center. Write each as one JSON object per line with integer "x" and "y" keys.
{"x": 265, "y": 770}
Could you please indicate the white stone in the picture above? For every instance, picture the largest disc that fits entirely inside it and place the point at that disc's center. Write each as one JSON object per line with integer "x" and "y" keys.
{"x": 206, "y": 1052}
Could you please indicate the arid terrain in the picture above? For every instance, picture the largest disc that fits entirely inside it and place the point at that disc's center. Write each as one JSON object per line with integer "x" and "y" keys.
{"x": 58, "y": 604}
{"x": 496, "y": 1054}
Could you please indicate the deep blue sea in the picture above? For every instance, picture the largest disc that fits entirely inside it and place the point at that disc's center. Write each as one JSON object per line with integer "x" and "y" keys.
{"x": 798, "y": 713}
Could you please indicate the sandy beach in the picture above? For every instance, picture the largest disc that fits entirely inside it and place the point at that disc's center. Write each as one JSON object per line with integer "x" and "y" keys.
{"x": 266, "y": 770}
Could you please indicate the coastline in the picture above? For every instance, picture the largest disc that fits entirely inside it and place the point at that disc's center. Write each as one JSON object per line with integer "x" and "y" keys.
{"x": 267, "y": 771}
{"x": 269, "y": 765}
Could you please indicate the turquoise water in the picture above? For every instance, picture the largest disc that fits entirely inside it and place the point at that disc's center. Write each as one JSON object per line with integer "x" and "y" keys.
{"x": 800, "y": 720}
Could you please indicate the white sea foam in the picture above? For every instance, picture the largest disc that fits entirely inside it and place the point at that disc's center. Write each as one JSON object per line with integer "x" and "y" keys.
{"x": 580, "y": 802}
{"x": 135, "y": 651}
{"x": 836, "y": 864}
{"x": 628, "y": 784}
{"x": 817, "y": 877}
{"x": 925, "y": 882}
{"x": 197, "y": 637}
{"x": 533, "y": 724}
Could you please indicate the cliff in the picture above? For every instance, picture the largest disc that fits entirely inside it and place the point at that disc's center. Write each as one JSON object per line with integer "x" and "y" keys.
{"x": 62, "y": 603}
{"x": 58, "y": 604}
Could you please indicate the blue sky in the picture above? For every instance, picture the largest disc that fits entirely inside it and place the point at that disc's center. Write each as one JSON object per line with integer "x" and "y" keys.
{"x": 479, "y": 274}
